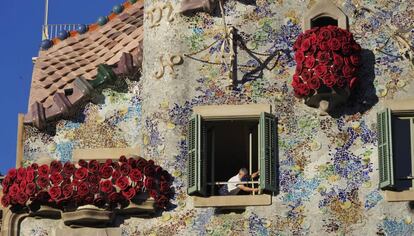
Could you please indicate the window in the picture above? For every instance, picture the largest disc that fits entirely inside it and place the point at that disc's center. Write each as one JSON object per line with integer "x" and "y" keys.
{"x": 223, "y": 139}
{"x": 324, "y": 13}
{"x": 395, "y": 150}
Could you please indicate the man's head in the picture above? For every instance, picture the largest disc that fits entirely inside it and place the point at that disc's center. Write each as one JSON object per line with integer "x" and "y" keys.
{"x": 243, "y": 172}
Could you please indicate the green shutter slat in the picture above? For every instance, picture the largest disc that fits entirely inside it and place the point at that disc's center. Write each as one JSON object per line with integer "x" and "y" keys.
{"x": 105, "y": 74}
{"x": 385, "y": 157}
{"x": 196, "y": 168}
{"x": 268, "y": 153}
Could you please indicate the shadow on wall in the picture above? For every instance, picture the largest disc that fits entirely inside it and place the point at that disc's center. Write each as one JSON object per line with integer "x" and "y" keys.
{"x": 364, "y": 97}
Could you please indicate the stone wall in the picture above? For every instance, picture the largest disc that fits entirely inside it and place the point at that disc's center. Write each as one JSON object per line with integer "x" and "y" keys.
{"x": 328, "y": 164}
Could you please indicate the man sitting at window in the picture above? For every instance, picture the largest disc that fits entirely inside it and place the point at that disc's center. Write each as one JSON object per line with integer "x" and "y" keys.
{"x": 234, "y": 187}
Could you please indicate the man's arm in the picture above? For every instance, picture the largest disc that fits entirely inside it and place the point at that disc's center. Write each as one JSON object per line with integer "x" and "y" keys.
{"x": 247, "y": 189}
{"x": 255, "y": 174}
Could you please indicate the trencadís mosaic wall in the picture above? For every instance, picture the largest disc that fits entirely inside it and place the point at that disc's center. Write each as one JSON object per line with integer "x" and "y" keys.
{"x": 328, "y": 164}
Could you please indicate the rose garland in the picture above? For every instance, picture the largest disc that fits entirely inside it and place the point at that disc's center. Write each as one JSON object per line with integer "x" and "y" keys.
{"x": 325, "y": 57}
{"x": 106, "y": 185}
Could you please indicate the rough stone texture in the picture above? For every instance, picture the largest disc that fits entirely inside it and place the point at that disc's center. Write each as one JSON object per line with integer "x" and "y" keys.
{"x": 328, "y": 165}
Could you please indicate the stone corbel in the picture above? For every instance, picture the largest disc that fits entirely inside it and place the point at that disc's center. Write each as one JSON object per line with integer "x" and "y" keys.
{"x": 11, "y": 222}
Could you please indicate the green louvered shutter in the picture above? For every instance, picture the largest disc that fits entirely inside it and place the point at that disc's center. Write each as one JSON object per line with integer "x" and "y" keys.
{"x": 196, "y": 177}
{"x": 385, "y": 159}
{"x": 268, "y": 153}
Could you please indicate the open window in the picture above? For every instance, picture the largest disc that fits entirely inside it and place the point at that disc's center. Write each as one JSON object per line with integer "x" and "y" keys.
{"x": 324, "y": 13}
{"x": 396, "y": 152}
{"x": 219, "y": 144}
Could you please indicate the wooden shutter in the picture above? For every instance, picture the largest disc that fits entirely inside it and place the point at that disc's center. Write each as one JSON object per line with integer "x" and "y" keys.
{"x": 385, "y": 157}
{"x": 196, "y": 177}
{"x": 268, "y": 153}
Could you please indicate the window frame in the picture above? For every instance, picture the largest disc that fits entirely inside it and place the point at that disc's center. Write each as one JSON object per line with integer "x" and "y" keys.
{"x": 325, "y": 8}
{"x": 235, "y": 112}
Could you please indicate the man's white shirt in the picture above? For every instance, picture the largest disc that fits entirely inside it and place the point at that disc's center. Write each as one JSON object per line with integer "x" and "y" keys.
{"x": 232, "y": 187}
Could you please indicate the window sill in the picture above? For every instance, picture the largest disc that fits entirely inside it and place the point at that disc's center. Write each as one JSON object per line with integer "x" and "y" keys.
{"x": 233, "y": 201}
{"x": 404, "y": 196}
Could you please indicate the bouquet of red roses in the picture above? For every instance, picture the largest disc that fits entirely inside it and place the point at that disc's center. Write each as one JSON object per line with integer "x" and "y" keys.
{"x": 325, "y": 57}
{"x": 105, "y": 185}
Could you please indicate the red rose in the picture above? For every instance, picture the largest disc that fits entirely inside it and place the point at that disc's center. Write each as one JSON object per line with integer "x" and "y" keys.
{"x": 21, "y": 174}
{"x": 142, "y": 162}
{"x": 5, "y": 200}
{"x": 323, "y": 57}
{"x": 55, "y": 166}
{"x": 42, "y": 181}
{"x": 355, "y": 59}
{"x": 153, "y": 193}
{"x": 99, "y": 201}
{"x": 12, "y": 173}
{"x": 314, "y": 83}
{"x": 164, "y": 187}
{"x": 334, "y": 44}
{"x": 149, "y": 170}
{"x": 83, "y": 189}
{"x": 105, "y": 171}
{"x": 305, "y": 45}
{"x": 30, "y": 189}
{"x": 165, "y": 176}
{"x": 108, "y": 162}
{"x": 116, "y": 174}
{"x": 106, "y": 186}
{"x": 135, "y": 175}
{"x": 113, "y": 197}
{"x": 88, "y": 199}
{"x": 353, "y": 82}
{"x": 125, "y": 168}
{"x": 310, "y": 62}
{"x": 94, "y": 188}
{"x": 340, "y": 82}
{"x": 43, "y": 197}
{"x": 22, "y": 185}
{"x": 115, "y": 165}
{"x": 123, "y": 159}
{"x": 129, "y": 193}
{"x": 14, "y": 189}
{"x": 324, "y": 34}
{"x": 56, "y": 178}
{"x": 55, "y": 192}
{"x": 94, "y": 178}
{"x": 34, "y": 166}
{"x": 132, "y": 162}
{"x": 356, "y": 47}
{"x": 158, "y": 170}
{"x": 122, "y": 182}
{"x": 83, "y": 163}
{"x": 81, "y": 173}
{"x": 6, "y": 184}
{"x": 295, "y": 80}
{"x": 30, "y": 174}
{"x": 43, "y": 170}
{"x": 162, "y": 201}
{"x": 348, "y": 71}
{"x": 138, "y": 186}
{"x": 321, "y": 70}
{"x": 298, "y": 42}
{"x": 298, "y": 70}
{"x": 299, "y": 57}
{"x": 22, "y": 198}
{"x": 149, "y": 183}
{"x": 323, "y": 45}
{"x": 346, "y": 48}
{"x": 69, "y": 169}
{"x": 337, "y": 60}
{"x": 67, "y": 190}
{"x": 329, "y": 80}
{"x": 93, "y": 166}
{"x": 301, "y": 90}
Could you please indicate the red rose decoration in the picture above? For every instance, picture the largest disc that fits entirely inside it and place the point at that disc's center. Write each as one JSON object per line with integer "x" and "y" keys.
{"x": 116, "y": 174}
{"x": 22, "y": 197}
{"x": 81, "y": 173}
{"x": 42, "y": 181}
{"x": 113, "y": 197}
{"x": 106, "y": 186}
{"x": 125, "y": 168}
{"x": 122, "y": 182}
{"x": 5, "y": 200}
{"x": 164, "y": 187}
{"x": 12, "y": 173}
{"x": 325, "y": 57}
{"x": 162, "y": 201}
{"x": 67, "y": 190}
{"x": 34, "y": 166}
{"x": 56, "y": 178}
{"x": 43, "y": 170}
{"x": 135, "y": 175}
{"x": 149, "y": 183}
{"x": 30, "y": 174}
{"x": 69, "y": 169}
{"x": 21, "y": 174}
{"x": 99, "y": 201}
{"x": 94, "y": 179}
{"x": 83, "y": 163}
{"x": 105, "y": 171}
{"x": 149, "y": 170}
{"x": 55, "y": 166}
{"x": 83, "y": 189}
{"x": 93, "y": 166}
{"x": 123, "y": 159}
{"x": 129, "y": 193}
{"x": 30, "y": 189}
{"x": 55, "y": 192}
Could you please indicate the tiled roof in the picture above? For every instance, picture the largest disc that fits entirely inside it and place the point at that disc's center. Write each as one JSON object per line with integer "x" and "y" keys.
{"x": 78, "y": 56}
{"x": 56, "y": 68}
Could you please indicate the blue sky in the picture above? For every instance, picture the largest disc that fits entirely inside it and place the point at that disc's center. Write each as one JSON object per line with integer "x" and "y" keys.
{"x": 21, "y": 23}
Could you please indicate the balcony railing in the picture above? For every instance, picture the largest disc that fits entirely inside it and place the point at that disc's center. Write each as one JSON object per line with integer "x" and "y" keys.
{"x": 51, "y": 31}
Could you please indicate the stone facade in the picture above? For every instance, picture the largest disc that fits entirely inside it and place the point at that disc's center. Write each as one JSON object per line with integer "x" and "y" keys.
{"x": 328, "y": 164}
